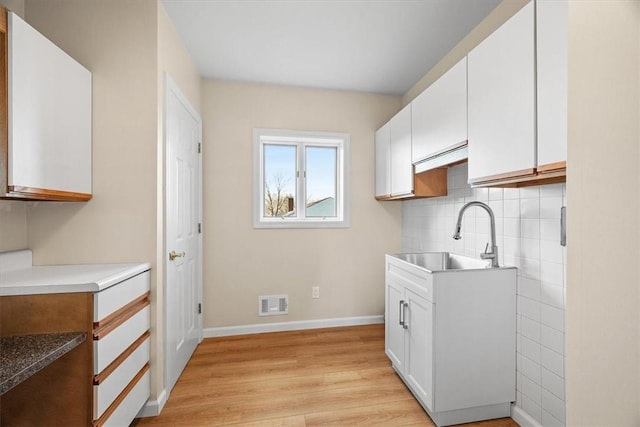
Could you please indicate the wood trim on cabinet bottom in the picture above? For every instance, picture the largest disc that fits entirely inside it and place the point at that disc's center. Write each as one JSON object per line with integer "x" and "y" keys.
{"x": 111, "y": 409}
{"x": 487, "y": 180}
{"x": 44, "y": 194}
{"x": 552, "y": 167}
{"x": 102, "y": 376}
{"x": 538, "y": 179}
{"x": 383, "y": 198}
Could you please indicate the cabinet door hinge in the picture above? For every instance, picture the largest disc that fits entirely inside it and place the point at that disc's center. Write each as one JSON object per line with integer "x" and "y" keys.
{"x": 199, "y": 147}
{"x": 199, "y": 308}
{"x": 199, "y": 228}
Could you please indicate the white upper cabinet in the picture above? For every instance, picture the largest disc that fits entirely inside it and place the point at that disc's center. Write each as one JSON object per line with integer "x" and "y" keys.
{"x": 439, "y": 115}
{"x": 401, "y": 166}
{"x": 501, "y": 102}
{"x": 395, "y": 178}
{"x": 552, "y": 47}
{"x": 49, "y": 119}
{"x": 383, "y": 159}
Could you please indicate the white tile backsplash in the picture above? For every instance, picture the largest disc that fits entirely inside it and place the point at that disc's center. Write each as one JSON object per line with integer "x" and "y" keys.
{"x": 552, "y": 361}
{"x": 553, "y": 383}
{"x": 531, "y": 369}
{"x": 530, "y": 349}
{"x": 528, "y": 237}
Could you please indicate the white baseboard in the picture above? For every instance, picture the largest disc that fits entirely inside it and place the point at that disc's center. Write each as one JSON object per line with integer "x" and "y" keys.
{"x": 153, "y": 407}
{"x": 521, "y": 417}
{"x": 291, "y": 326}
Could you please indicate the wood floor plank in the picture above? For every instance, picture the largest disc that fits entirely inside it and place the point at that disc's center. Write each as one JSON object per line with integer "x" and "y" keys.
{"x": 323, "y": 377}
{"x": 399, "y": 413}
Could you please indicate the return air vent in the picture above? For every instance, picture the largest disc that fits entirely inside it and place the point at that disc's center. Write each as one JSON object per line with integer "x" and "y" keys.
{"x": 271, "y": 305}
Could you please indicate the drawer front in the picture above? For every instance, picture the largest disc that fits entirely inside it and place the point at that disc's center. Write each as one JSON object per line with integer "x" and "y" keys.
{"x": 109, "y": 347}
{"x": 411, "y": 277}
{"x": 105, "y": 393}
{"x": 129, "y": 407}
{"x": 117, "y": 296}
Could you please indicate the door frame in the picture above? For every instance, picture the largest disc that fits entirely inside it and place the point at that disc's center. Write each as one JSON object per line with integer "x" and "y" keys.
{"x": 171, "y": 87}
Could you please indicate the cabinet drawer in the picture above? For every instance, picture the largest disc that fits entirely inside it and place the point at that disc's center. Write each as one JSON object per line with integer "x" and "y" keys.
{"x": 107, "y": 387}
{"x": 411, "y": 277}
{"x": 134, "y": 398}
{"x": 107, "y": 302}
{"x": 111, "y": 345}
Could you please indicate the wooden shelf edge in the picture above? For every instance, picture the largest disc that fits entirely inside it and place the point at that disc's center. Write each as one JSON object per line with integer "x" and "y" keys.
{"x": 545, "y": 178}
{"x": 509, "y": 176}
{"x": 552, "y": 168}
{"x": 43, "y": 194}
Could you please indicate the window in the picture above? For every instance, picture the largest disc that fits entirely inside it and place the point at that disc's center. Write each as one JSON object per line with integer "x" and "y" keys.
{"x": 300, "y": 179}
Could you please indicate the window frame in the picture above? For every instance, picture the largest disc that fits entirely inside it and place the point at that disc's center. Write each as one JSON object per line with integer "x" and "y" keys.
{"x": 302, "y": 140}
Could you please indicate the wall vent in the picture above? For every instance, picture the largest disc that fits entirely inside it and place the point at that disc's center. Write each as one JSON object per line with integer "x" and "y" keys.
{"x": 271, "y": 305}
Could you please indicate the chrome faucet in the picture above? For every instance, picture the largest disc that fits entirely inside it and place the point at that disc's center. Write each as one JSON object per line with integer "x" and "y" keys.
{"x": 493, "y": 255}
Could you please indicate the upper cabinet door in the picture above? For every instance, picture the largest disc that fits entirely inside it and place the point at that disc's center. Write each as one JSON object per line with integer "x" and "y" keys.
{"x": 401, "y": 166}
{"x": 383, "y": 170}
{"x": 502, "y": 102}
{"x": 49, "y": 123}
{"x": 552, "y": 48}
{"x": 439, "y": 114}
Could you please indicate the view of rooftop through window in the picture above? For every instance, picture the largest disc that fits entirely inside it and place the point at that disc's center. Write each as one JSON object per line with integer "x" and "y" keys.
{"x": 319, "y": 186}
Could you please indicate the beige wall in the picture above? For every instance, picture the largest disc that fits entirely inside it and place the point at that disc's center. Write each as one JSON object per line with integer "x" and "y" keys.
{"x": 242, "y": 263}
{"x": 128, "y": 46}
{"x": 13, "y": 225}
{"x": 603, "y": 292}
{"x": 16, "y": 6}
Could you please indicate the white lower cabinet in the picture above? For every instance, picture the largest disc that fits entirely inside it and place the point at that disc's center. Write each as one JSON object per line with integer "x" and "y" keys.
{"x": 409, "y": 335}
{"x": 121, "y": 351}
{"x": 452, "y": 339}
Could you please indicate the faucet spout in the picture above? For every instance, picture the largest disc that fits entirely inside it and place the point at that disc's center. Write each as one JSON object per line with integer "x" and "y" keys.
{"x": 493, "y": 255}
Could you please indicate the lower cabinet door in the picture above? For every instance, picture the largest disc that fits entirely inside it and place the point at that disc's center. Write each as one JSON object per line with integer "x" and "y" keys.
{"x": 418, "y": 369}
{"x": 394, "y": 332}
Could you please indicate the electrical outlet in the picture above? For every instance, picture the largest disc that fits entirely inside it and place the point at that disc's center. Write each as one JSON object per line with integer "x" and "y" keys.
{"x": 315, "y": 292}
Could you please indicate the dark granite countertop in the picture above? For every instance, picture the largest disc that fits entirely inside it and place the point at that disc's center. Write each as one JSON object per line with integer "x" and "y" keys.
{"x": 22, "y": 356}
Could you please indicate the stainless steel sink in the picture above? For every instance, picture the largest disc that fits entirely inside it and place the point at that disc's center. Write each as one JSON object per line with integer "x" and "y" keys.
{"x": 443, "y": 261}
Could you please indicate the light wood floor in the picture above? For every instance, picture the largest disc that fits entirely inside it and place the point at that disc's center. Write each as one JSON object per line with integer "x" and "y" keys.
{"x": 321, "y": 377}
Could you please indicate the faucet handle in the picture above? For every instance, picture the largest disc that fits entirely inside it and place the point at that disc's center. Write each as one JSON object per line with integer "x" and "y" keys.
{"x": 486, "y": 248}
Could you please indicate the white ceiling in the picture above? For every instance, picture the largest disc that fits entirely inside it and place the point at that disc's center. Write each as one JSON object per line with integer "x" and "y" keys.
{"x": 379, "y": 46}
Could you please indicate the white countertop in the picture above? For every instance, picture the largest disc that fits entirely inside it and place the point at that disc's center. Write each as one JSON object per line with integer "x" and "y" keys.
{"x": 51, "y": 279}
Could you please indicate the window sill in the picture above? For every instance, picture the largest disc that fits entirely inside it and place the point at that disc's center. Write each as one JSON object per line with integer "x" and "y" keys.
{"x": 301, "y": 224}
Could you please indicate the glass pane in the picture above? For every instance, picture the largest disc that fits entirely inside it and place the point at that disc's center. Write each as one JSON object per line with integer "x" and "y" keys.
{"x": 321, "y": 181}
{"x": 279, "y": 180}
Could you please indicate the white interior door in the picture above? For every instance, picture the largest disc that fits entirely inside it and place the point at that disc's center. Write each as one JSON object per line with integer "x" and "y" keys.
{"x": 183, "y": 238}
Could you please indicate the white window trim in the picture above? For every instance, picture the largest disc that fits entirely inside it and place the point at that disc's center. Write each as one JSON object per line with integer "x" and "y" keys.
{"x": 262, "y": 136}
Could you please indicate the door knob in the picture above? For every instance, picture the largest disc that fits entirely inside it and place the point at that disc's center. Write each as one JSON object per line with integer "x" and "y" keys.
{"x": 173, "y": 255}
